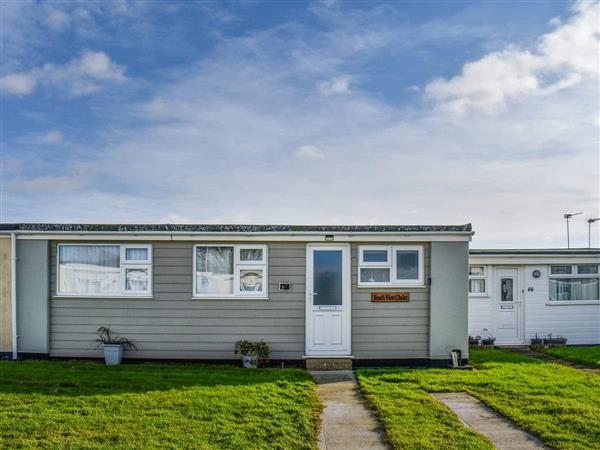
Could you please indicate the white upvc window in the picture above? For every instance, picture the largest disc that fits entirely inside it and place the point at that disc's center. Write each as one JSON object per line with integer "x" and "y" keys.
{"x": 477, "y": 281}
{"x": 390, "y": 265}
{"x": 574, "y": 282}
{"x": 230, "y": 271}
{"x": 104, "y": 270}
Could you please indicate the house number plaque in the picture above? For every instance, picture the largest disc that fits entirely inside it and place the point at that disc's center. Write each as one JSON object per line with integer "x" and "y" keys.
{"x": 389, "y": 297}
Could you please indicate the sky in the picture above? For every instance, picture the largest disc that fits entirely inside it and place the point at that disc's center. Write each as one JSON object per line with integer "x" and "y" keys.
{"x": 317, "y": 112}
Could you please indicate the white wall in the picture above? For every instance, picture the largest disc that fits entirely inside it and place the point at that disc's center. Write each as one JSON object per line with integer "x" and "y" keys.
{"x": 480, "y": 316}
{"x": 579, "y": 323}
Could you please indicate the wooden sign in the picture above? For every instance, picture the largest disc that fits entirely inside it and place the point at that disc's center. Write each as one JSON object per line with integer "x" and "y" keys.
{"x": 389, "y": 297}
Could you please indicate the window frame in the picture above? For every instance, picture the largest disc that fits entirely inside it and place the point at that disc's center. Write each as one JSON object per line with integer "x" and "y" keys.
{"x": 238, "y": 265}
{"x": 375, "y": 264}
{"x": 122, "y": 266}
{"x": 391, "y": 265}
{"x": 573, "y": 275}
{"x": 478, "y": 277}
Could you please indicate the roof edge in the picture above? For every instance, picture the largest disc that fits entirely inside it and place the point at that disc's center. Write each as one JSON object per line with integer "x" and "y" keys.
{"x": 228, "y": 228}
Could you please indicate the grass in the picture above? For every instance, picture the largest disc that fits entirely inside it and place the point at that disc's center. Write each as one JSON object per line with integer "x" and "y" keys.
{"x": 88, "y": 405}
{"x": 589, "y": 356}
{"x": 559, "y": 404}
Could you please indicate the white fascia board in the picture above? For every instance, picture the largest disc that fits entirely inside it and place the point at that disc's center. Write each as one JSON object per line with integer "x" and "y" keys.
{"x": 532, "y": 259}
{"x": 457, "y": 236}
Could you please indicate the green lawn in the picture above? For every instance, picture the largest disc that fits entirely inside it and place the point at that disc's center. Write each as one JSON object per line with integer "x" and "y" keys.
{"x": 558, "y": 404}
{"x": 589, "y": 356}
{"x": 88, "y": 405}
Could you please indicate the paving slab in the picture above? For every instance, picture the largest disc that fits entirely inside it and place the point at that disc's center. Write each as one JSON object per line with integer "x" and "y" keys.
{"x": 504, "y": 434}
{"x": 347, "y": 424}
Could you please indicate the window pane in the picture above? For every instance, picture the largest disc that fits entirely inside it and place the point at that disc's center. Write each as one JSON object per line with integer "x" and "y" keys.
{"x": 476, "y": 270}
{"x": 368, "y": 275}
{"x": 89, "y": 269}
{"x": 251, "y": 254}
{"x": 327, "y": 277}
{"x": 561, "y": 270}
{"x": 477, "y": 286}
{"x": 407, "y": 264}
{"x": 564, "y": 289}
{"x": 251, "y": 280}
{"x": 587, "y": 269}
{"x": 375, "y": 256}
{"x": 136, "y": 280}
{"x": 214, "y": 270}
{"x": 506, "y": 290}
{"x": 136, "y": 254}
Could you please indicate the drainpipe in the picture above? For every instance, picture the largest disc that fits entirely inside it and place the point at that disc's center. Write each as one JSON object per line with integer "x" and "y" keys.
{"x": 13, "y": 291}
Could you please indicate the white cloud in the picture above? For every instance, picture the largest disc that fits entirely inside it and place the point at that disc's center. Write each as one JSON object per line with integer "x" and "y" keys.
{"x": 220, "y": 133}
{"x": 52, "y": 137}
{"x": 58, "y": 20}
{"x": 309, "y": 152}
{"x": 80, "y": 76}
{"x": 18, "y": 83}
{"x": 562, "y": 58}
{"x": 336, "y": 85}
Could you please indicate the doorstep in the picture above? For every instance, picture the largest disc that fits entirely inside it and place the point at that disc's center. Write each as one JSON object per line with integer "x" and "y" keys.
{"x": 328, "y": 362}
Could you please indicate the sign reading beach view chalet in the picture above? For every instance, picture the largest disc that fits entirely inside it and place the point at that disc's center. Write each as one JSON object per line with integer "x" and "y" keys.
{"x": 389, "y": 297}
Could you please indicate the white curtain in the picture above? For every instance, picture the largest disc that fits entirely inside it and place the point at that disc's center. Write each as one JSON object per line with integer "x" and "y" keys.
{"x": 477, "y": 286}
{"x": 136, "y": 254}
{"x": 136, "y": 279}
{"x": 251, "y": 280}
{"x": 214, "y": 270}
{"x": 574, "y": 289}
{"x": 89, "y": 269}
{"x": 251, "y": 254}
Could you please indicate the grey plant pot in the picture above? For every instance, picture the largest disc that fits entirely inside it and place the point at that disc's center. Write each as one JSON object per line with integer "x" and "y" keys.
{"x": 250, "y": 361}
{"x": 113, "y": 354}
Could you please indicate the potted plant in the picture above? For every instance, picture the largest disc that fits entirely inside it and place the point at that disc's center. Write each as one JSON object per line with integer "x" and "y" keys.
{"x": 253, "y": 353}
{"x": 474, "y": 341}
{"x": 536, "y": 340}
{"x": 552, "y": 341}
{"x": 488, "y": 341}
{"x": 113, "y": 346}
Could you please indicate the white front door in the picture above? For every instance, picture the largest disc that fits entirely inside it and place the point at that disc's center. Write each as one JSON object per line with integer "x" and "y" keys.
{"x": 327, "y": 300}
{"x": 507, "y": 304}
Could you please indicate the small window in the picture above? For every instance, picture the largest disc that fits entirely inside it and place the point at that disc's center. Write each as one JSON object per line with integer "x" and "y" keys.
{"x": 230, "y": 271}
{"x": 375, "y": 256}
{"x": 587, "y": 269}
{"x": 561, "y": 270}
{"x": 137, "y": 279}
{"x": 390, "y": 266}
{"x": 251, "y": 280}
{"x": 251, "y": 254}
{"x": 477, "y": 280}
{"x": 136, "y": 254}
{"x": 574, "y": 282}
{"x": 104, "y": 270}
{"x": 214, "y": 270}
{"x": 374, "y": 275}
{"x": 407, "y": 264}
{"x": 476, "y": 271}
{"x": 573, "y": 289}
{"x": 507, "y": 293}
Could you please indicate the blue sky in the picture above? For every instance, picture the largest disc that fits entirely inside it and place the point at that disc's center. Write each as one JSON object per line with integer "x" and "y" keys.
{"x": 304, "y": 112}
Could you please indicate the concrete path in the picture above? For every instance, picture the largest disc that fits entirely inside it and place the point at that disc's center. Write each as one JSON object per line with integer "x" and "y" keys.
{"x": 347, "y": 424}
{"x": 503, "y": 433}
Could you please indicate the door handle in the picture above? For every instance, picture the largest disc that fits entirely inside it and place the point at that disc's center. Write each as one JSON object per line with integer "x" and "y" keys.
{"x": 315, "y": 293}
